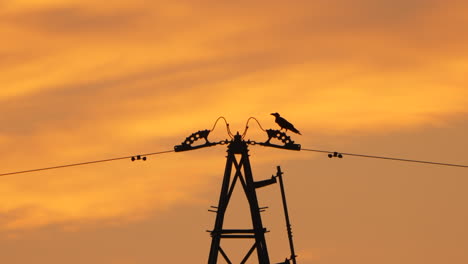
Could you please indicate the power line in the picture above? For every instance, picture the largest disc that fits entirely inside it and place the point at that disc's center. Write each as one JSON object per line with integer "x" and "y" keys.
{"x": 168, "y": 151}
{"x": 85, "y": 163}
{"x": 388, "y": 158}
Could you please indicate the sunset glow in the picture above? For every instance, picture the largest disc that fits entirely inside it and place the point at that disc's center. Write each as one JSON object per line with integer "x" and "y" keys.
{"x": 85, "y": 80}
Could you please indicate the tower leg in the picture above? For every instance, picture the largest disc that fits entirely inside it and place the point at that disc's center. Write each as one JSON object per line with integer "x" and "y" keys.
{"x": 222, "y": 205}
{"x": 251, "y": 193}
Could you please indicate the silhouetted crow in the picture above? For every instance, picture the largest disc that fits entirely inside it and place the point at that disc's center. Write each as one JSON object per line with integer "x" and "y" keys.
{"x": 283, "y": 123}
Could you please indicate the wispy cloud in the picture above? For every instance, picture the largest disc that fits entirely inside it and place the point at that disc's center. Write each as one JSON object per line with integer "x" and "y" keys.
{"x": 86, "y": 80}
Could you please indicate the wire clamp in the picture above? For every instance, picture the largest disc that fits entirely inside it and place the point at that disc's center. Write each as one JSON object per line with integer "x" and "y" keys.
{"x": 138, "y": 157}
{"x": 335, "y": 155}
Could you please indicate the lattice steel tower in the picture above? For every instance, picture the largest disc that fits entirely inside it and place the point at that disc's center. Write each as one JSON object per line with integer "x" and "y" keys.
{"x": 242, "y": 173}
{"x": 238, "y": 170}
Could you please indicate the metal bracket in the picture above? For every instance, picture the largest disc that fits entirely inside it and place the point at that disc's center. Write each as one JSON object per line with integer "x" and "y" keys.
{"x": 335, "y": 154}
{"x": 281, "y": 136}
{"x": 187, "y": 144}
{"x": 263, "y": 183}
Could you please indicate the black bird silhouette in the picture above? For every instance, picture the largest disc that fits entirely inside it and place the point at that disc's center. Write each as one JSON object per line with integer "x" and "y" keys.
{"x": 283, "y": 123}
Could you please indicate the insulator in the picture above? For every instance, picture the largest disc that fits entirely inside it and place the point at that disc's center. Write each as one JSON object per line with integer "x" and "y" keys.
{"x": 281, "y": 136}
{"x": 187, "y": 144}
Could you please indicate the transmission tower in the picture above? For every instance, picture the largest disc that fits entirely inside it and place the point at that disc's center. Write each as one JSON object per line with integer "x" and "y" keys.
{"x": 238, "y": 169}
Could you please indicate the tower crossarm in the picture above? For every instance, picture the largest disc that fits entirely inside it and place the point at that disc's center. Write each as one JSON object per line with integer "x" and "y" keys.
{"x": 288, "y": 143}
{"x": 187, "y": 144}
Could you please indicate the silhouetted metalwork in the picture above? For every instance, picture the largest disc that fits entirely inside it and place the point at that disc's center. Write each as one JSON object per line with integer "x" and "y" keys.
{"x": 284, "y": 124}
{"x": 138, "y": 157}
{"x": 335, "y": 154}
{"x": 238, "y": 169}
{"x": 279, "y": 175}
{"x": 288, "y": 143}
{"x": 202, "y": 134}
{"x": 243, "y": 174}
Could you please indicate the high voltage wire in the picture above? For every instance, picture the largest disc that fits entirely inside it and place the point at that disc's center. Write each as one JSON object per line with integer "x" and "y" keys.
{"x": 388, "y": 158}
{"x": 85, "y": 163}
{"x": 168, "y": 151}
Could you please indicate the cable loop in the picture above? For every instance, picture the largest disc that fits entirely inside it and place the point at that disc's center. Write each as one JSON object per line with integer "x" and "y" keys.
{"x": 247, "y": 126}
{"x": 227, "y": 126}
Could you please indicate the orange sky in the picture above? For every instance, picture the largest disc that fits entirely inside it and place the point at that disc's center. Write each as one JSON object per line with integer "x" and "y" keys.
{"x": 82, "y": 80}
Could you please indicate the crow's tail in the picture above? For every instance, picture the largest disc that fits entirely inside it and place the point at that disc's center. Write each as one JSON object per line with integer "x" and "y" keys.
{"x": 295, "y": 131}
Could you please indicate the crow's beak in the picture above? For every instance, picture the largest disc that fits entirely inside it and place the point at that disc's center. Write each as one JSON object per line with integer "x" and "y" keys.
{"x": 272, "y": 114}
